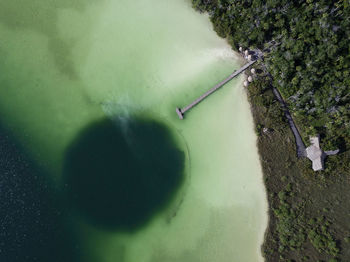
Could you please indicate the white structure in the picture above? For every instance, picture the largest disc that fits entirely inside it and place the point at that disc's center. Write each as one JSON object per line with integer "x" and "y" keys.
{"x": 240, "y": 49}
{"x": 245, "y": 83}
{"x": 250, "y": 79}
{"x": 246, "y": 52}
{"x": 250, "y": 57}
{"x": 253, "y": 71}
{"x": 316, "y": 155}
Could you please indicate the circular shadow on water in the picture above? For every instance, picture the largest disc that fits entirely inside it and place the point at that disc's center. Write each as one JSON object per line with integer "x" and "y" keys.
{"x": 118, "y": 174}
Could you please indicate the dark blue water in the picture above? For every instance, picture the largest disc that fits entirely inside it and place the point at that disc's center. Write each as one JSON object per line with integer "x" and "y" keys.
{"x": 32, "y": 218}
{"x": 117, "y": 176}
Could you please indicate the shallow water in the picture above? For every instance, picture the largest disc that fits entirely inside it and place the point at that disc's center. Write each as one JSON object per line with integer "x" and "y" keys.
{"x": 67, "y": 67}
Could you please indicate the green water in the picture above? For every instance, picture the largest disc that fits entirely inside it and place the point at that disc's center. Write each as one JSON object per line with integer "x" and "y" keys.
{"x": 73, "y": 74}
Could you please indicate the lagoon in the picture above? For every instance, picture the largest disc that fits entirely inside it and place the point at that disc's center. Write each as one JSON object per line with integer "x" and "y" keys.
{"x": 88, "y": 89}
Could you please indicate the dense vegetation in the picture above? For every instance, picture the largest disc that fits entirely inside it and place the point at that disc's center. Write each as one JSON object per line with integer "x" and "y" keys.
{"x": 311, "y": 64}
{"x": 309, "y": 212}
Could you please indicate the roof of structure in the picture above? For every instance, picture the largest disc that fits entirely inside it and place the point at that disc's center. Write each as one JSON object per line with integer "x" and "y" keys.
{"x": 317, "y": 164}
{"x": 315, "y": 153}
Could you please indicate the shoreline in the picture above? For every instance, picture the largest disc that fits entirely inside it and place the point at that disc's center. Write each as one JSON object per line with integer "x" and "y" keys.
{"x": 306, "y": 209}
{"x": 313, "y": 200}
{"x": 266, "y": 222}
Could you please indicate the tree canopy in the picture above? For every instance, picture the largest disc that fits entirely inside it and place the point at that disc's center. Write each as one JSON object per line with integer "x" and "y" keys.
{"x": 310, "y": 66}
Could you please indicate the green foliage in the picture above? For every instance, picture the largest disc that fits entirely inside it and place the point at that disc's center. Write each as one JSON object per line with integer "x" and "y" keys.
{"x": 293, "y": 229}
{"x": 291, "y": 236}
{"x": 321, "y": 238}
{"x": 311, "y": 64}
{"x": 333, "y": 260}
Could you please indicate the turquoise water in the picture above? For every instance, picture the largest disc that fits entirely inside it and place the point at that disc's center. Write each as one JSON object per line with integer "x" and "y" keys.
{"x": 78, "y": 78}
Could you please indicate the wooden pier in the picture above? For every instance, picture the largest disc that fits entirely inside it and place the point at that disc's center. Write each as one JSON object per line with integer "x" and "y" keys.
{"x": 181, "y": 111}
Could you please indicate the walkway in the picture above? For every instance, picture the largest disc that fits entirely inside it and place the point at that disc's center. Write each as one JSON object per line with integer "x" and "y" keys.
{"x": 301, "y": 149}
{"x": 182, "y": 111}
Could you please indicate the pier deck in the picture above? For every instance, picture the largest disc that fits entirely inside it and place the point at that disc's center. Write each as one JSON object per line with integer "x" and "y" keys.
{"x": 181, "y": 111}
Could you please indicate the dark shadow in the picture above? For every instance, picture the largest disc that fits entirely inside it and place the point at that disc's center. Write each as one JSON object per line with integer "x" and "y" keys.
{"x": 41, "y": 16}
{"x": 32, "y": 221}
{"x": 119, "y": 174}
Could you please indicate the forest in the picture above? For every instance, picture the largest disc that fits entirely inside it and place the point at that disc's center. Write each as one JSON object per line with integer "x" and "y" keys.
{"x": 310, "y": 66}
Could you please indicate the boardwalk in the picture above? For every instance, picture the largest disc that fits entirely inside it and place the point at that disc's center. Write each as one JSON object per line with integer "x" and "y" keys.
{"x": 301, "y": 149}
{"x": 181, "y": 111}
